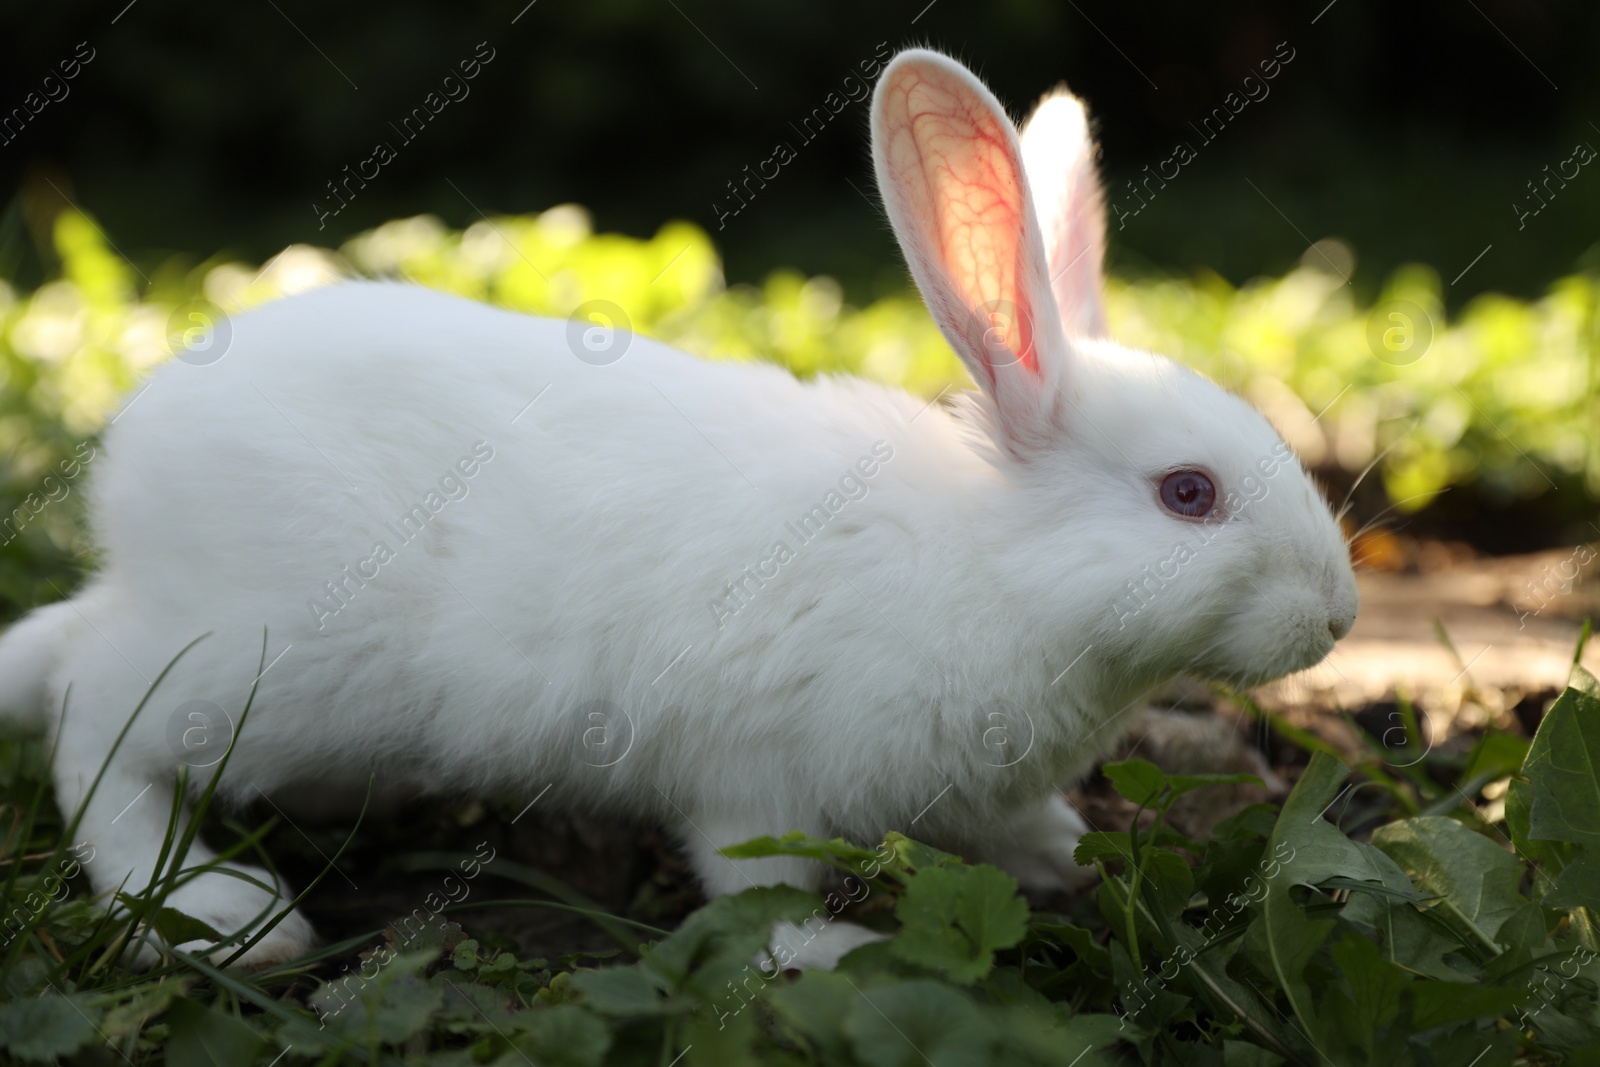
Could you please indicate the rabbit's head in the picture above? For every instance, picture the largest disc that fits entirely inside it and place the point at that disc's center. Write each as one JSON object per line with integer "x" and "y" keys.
{"x": 1169, "y": 520}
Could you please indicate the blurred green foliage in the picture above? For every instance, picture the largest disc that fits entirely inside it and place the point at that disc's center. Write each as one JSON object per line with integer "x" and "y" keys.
{"x": 1503, "y": 399}
{"x": 1408, "y": 130}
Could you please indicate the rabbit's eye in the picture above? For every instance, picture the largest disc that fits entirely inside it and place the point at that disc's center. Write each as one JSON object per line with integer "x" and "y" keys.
{"x": 1188, "y": 493}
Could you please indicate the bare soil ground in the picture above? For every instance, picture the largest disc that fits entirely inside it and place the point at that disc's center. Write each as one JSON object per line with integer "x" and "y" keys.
{"x": 1513, "y": 622}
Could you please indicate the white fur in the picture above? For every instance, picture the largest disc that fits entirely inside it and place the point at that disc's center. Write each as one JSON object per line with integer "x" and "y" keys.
{"x": 1058, "y": 158}
{"x": 851, "y": 694}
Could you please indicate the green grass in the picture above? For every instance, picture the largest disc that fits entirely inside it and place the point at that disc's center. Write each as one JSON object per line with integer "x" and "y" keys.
{"x": 1459, "y": 932}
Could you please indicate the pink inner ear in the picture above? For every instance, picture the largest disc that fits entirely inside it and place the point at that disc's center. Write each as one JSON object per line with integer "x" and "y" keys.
{"x": 971, "y": 196}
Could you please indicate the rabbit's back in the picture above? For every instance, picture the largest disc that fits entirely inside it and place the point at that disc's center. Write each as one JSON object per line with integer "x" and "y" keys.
{"x": 463, "y": 531}
{"x": 333, "y": 415}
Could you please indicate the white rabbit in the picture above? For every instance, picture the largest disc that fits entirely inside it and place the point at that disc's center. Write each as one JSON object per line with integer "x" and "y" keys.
{"x": 699, "y": 592}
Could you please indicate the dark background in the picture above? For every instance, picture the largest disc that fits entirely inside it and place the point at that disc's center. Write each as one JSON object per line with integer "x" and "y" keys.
{"x": 1406, "y": 129}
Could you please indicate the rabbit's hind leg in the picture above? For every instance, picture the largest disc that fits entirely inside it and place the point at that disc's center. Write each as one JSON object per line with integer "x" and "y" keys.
{"x": 1037, "y": 844}
{"x": 121, "y": 833}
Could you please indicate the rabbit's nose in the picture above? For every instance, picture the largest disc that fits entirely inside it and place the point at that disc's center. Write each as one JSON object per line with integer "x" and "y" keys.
{"x": 1342, "y": 602}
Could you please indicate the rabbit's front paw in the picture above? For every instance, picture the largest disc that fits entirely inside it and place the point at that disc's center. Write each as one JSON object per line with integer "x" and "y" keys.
{"x": 1038, "y": 850}
{"x": 802, "y": 948}
{"x": 289, "y": 940}
{"x": 228, "y": 905}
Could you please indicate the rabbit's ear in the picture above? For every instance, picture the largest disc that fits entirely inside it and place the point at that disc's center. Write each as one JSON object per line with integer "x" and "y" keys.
{"x": 950, "y": 169}
{"x": 1058, "y": 155}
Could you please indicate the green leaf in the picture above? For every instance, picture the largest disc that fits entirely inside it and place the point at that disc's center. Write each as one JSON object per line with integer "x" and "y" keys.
{"x": 176, "y": 928}
{"x": 726, "y": 934}
{"x": 1081, "y": 941}
{"x": 1305, "y": 849}
{"x": 619, "y": 991}
{"x": 726, "y": 1037}
{"x": 1409, "y": 938}
{"x": 1496, "y": 755}
{"x": 404, "y": 1007}
{"x": 1315, "y": 851}
{"x": 200, "y": 1037}
{"x": 1054, "y": 1034}
{"x": 393, "y": 1003}
{"x": 1169, "y": 879}
{"x": 1524, "y": 933}
{"x": 915, "y": 1023}
{"x": 1099, "y": 845}
{"x": 1435, "y": 1004}
{"x": 465, "y": 957}
{"x": 954, "y": 919}
{"x": 1186, "y": 783}
{"x": 1441, "y": 856}
{"x": 1563, "y": 767}
{"x": 132, "y": 1014}
{"x": 1365, "y": 999}
{"x": 1255, "y": 821}
{"x": 1474, "y": 1047}
{"x": 1145, "y": 998}
{"x": 562, "y": 1036}
{"x": 912, "y": 855}
{"x": 1148, "y": 786}
{"x": 1288, "y": 940}
{"x": 1552, "y": 856}
{"x": 439, "y": 937}
{"x": 1243, "y": 1054}
{"x": 1564, "y": 792}
{"x": 43, "y": 1028}
{"x": 837, "y": 852}
{"x": 1207, "y": 970}
{"x": 1578, "y": 885}
{"x": 1136, "y": 780}
{"x": 816, "y": 1006}
{"x": 466, "y": 1001}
